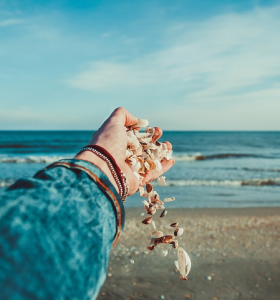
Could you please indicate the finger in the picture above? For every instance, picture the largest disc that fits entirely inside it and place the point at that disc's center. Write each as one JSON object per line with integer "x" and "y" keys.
{"x": 157, "y": 134}
{"x": 122, "y": 115}
{"x": 166, "y": 165}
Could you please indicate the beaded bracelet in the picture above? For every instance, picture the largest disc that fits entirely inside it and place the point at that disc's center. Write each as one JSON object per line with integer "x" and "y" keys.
{"x": 117, "y": 173}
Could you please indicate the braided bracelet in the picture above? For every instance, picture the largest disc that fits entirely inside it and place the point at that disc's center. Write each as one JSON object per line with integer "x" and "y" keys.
{"x": 117, "y": 173}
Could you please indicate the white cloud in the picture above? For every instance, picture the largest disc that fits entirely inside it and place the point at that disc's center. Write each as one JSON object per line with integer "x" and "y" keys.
{"x": 10, "y": 22}
{"x": 232, "y": 54}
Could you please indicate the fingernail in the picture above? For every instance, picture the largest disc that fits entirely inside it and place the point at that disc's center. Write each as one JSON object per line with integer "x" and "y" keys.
{"x": 173, "y": 162}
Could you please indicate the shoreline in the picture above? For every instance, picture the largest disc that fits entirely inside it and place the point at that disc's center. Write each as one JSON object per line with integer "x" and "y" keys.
{"x": 234, "y": 251}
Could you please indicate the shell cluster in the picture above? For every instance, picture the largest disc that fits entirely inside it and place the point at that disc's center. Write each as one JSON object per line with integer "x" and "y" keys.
{"x": 144, "y": 154}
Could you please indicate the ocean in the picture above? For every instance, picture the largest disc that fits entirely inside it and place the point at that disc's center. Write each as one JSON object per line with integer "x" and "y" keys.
{"x": 212, "y": 169}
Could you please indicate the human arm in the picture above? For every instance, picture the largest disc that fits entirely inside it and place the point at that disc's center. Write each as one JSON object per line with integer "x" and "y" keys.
{"x": 57, "y": 228}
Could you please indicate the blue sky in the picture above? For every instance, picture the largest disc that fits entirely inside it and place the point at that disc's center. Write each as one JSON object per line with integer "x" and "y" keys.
{"x": 187, "y": 65}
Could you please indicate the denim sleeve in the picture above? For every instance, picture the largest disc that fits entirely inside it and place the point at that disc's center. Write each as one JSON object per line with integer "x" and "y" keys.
{"x": 56, "y": 232}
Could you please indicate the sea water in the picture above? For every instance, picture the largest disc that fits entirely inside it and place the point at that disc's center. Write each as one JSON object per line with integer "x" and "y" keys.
{"x": 212, "y": 169}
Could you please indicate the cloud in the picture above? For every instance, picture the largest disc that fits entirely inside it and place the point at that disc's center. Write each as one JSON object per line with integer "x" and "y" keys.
{"x": 230, "y": 55}
{"x": 11, "y": 22}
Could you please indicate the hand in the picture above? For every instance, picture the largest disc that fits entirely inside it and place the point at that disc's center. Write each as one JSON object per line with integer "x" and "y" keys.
{"x": 112, "y": 137}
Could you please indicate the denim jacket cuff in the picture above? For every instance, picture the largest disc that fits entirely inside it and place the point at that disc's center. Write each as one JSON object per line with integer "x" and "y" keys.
{"x": 104, "y": 184}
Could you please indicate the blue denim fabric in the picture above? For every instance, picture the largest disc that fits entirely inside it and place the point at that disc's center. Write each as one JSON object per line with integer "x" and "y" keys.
{"x": 57, "y": 230}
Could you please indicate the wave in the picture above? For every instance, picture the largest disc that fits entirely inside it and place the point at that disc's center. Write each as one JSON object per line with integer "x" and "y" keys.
{"x": 199, "y": 156}
{"x": 31, "y": 159}
{"x": 246, "y": 182}
{"x": 6, "y": 182}
{"x": 234, "y": 183}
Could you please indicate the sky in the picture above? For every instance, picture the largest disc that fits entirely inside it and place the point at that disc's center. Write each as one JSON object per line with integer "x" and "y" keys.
{"x": 181, "y": 64}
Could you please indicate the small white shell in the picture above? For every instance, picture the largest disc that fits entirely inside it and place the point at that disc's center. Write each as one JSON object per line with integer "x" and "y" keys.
{"x": 142, "y": 123}
{"x": 157, "y": 233}
{"x": 154, "y": 225}
{"x": 161, "y": 180}
{"x": 146, "y": 203}
{"x": 163, "y": 252}
{"x": 169, "y": 199}
{"x": 137, "y": 175}
{"x": 141, "y": 191}
{"x": 179, "y": 231}
{"x": 184, "y": 263}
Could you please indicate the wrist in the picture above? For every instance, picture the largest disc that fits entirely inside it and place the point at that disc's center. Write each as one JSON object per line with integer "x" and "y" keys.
{"x": 100, "y": 163}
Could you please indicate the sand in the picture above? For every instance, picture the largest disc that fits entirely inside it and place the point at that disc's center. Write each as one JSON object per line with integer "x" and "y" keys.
{"x": 235, "y": 254}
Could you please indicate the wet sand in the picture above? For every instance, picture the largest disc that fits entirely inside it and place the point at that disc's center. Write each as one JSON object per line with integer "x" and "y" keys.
{"x": 235, "y": 254}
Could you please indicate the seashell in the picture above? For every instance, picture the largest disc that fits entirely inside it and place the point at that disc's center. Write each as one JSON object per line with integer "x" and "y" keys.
{"x": 174, "y": 224}
{"x": 150, "y": 146}
{"x": 183, "y": 264}
{"x": 141, "y": 191}
{"x": 160, "y": 206}
{"x": 174, "y": 244}
{"x": 169, "y": 199}
{"x": 142, "y": 123}
{"x": 149, "y": 187}
{"x": 146, "y": 203}
{"x": 147, "y": 221}
{"x": 157, "y": 201}
{"x": 161, "y": 180}
{"x": 128, "y": 153}
{"x": 150, "y": 130}
{"x": 136, "y": 166}
{"x": 137, "y": 175}
{"x": 139, "y": 150}
{"x": 154, "y": 225}
{"x": 151, "y": 248}
{"x": 166, "y": 239}
{"x": 163, "y": 252}
{"x": 178, "y": 231}
{"x": 158, "y": 165}
{"x": 163, "y": 214}
{"x": 153, "y": 195}
{"x": 151, "y": 210}
{"x": 157, "y": 233}
{"x": 164, "y": 146}
{"x": 168, "y": 155}
{"x": 152, "y": 164}
{"x": 142, "y": 135}
{"x": 146, "y": 195}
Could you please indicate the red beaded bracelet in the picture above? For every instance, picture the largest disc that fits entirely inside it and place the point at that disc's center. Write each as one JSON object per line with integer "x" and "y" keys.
{"x": 117, "y": 173}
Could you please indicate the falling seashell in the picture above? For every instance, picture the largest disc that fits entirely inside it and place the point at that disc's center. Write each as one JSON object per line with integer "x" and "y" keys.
{"x": 174, "y": 244}
{"x": 178, "y": 231}
{"x": 160, "y": 206}
{"x": 151, "y": 248}
{"x": 161, "y": 180}
{"x": 183, "y": 264}
{"x": 154, "y": 225}
{"x": 146, "y": 203}
{"x": 163, "y": 214}
{"x": 149, "y": 187}
{"x": 166, "y": 239}
{"x": 151, "y": 210}
{"x": 169, "y": 199}
{"x": 147, "y": 221}
{"x": 174, "y": 224}
{"x": 141, "y": 191}
{"x": 157, "y": 233}
{"x": 163, "y": 252}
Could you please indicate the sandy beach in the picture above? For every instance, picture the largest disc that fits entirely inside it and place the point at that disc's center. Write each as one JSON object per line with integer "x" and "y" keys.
{"x": 235, "y": 254}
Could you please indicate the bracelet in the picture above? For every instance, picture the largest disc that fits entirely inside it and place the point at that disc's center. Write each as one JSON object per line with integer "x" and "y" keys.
{"x": 117, "y": 173}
